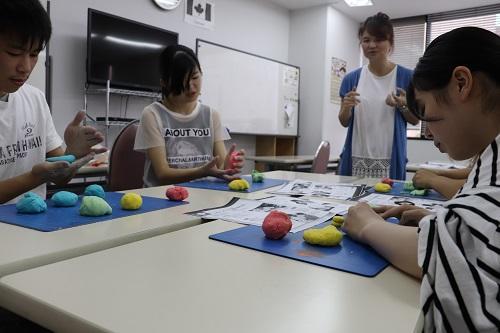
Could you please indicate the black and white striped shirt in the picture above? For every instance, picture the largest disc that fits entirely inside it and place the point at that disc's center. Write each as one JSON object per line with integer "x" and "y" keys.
{"x": 459, "y": 252}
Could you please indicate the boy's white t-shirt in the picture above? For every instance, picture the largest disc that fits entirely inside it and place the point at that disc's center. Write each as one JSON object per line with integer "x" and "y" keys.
{"x": 27, "y": 133}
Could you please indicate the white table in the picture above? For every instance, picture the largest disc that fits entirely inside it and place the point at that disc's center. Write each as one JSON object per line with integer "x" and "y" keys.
{"x": 23, "y": 248}
{"x": 184, "y": 282}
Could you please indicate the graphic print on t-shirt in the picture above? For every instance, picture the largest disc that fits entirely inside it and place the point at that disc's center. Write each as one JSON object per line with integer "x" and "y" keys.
{"x": 20, "y": 149}
{"x": 183, "y": 150}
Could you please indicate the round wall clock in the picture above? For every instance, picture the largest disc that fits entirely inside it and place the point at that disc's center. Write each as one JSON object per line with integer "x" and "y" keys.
{"x": 167, "y": 4}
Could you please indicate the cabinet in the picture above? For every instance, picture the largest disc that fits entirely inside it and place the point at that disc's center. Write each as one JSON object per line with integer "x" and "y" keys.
{"x": 270, "y": 145}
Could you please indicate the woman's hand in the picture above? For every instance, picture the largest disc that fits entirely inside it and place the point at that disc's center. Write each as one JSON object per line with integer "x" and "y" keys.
{"x": 351, "y": 99}
{"x": 397, "y": 100}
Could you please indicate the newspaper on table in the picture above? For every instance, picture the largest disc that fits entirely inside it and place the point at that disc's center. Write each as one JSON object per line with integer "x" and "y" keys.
{"x": 304, "y": 213}
{"x": 340, "y": 191}
{"x": 395, "y": 200}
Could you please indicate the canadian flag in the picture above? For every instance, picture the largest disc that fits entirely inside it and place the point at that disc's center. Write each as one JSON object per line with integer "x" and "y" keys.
{"x": 200, "y": 9}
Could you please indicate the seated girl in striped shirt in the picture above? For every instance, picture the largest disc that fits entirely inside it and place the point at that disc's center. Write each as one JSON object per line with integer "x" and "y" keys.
{"x": 456, "y": 250}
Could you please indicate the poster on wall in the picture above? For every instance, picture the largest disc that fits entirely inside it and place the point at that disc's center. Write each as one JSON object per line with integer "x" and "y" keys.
{"x": 337, "y": 73}
{"x": 200, "y": 13}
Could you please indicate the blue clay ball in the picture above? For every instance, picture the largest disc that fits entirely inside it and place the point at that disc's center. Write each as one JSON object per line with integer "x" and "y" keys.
{"x": 31, "y": 203}
{"x": 64, "y": 199}
{"x": 95, "y": 190}
{"x": 67, "y": 158}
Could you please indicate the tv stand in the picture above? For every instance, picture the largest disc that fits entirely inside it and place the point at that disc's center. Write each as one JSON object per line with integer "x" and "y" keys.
{"x": 108, "y": 91}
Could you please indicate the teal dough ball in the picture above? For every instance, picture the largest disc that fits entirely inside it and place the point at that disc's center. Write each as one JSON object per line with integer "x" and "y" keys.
{"x": 31, "y": 203}
{"x": 95, "y": 190}
{"x": 64, "y": 199}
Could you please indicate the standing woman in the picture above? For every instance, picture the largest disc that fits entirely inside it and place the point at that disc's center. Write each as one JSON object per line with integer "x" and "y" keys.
{"x": 182, "y": 138}
{"x": 374, "y": 107}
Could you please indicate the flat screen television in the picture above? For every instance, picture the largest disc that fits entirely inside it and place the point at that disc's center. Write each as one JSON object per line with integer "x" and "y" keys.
{"x": 130, "y": 49}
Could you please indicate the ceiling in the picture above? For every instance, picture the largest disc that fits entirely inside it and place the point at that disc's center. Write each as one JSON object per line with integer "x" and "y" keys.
{"x": 393, "y": 8}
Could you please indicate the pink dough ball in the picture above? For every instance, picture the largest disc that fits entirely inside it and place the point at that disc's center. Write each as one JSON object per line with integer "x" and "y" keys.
{"x": 177, "y": 193}
{"x": 276, "y": 225}
{"x": 387, "y": 181}
{"x": 233, "y": 159}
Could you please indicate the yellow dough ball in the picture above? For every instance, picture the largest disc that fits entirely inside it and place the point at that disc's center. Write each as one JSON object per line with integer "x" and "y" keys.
{"x": 382, "y": 188}
{"x": 327, "y": 236}
{"x": 337, "y": 221}
{"x": 239, "y": 185}
{"x": 131, "y": 201}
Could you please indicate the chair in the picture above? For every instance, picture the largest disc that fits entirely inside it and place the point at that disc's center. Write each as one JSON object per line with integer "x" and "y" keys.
{"x": 321, "y": 158}
{"x": 126, "y": 166}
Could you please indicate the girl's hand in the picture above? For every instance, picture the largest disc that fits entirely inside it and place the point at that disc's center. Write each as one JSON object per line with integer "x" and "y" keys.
{"x": 358, "y": 220}
{"x": 423, "y": 178}
{"x": 211, "y": 169}
{"x": 235, "y": 160}
{"x": 408, "y": 215}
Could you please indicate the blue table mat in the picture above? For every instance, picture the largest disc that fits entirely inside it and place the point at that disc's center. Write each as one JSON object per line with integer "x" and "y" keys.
{"x": 221, "y": 185}
{"x": 57, "y": 218}
{"x": 350, "y": 256}
{"x": 398, "y": 189}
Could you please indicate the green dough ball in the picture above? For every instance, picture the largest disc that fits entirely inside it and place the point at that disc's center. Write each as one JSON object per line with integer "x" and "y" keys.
{"x": 419, "y": 192}
{"x": 257, "y": 177}
{"x": 94, "y": 206}
{"x": 408, "y": 186}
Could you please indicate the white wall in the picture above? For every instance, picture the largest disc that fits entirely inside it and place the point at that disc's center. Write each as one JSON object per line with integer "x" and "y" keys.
{"x": 317, "y": 34}
{"x": 307, "y": 50}
{"x": 254, "y": 26}
{"x": 342, "y": 42}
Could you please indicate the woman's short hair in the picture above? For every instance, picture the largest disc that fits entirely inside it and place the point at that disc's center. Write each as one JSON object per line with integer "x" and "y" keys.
{"x": 475, "y": 48}
{"x": 177, "y": 63}
{"x": 379, "y": 26}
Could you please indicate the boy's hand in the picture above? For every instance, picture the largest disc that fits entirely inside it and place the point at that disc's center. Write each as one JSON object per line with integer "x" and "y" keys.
{"x": 59, "y": 172}
{"x": 358, "y": 219}
{"x": 80, "y": 139}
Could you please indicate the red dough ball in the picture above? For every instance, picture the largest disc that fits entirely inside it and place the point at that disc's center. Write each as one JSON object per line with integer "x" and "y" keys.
{"x": 177, "y": 193}
{"x": 387, "y": 181}
{"x": 276, "y": 225}
{"x": 233, "y": 159}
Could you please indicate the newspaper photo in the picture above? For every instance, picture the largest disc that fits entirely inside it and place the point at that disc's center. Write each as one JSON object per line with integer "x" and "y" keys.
{"x": 339, "y": 191}
{"x": 304, "y": 213}
{"x": 394, "y": 200}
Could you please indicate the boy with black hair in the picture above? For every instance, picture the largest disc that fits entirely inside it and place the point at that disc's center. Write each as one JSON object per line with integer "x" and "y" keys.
{"x": 27, "y": 132}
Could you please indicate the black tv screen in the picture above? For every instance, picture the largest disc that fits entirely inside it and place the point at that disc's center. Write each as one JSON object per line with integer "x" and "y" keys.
{"x": 130, "y": 49}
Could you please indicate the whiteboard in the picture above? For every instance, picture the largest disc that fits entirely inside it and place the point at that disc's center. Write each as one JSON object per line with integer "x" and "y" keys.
{"x": 253, "y": 94}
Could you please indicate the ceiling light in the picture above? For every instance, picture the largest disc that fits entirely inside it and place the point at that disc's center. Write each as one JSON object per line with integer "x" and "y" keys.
{"x": 358, "y": 3}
